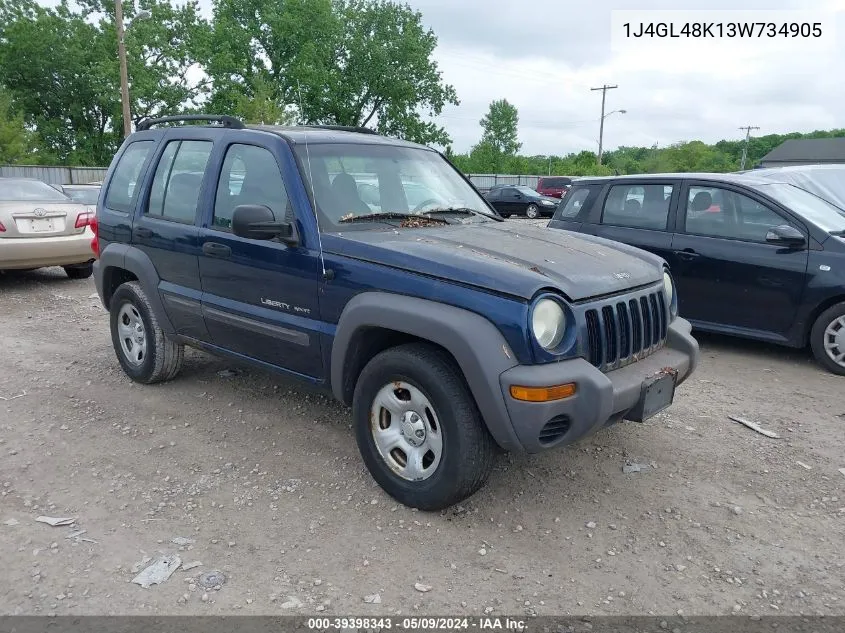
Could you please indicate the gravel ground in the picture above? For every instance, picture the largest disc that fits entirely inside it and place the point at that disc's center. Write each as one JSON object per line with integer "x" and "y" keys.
{"x": 259, "y": 479}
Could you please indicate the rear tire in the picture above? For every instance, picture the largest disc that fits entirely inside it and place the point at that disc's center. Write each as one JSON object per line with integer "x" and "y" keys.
{"x": 144, "y": 352}
{"x": 827, "y": 339}
{"x": 79, "y": 272}
{"x": 433, "y": 416}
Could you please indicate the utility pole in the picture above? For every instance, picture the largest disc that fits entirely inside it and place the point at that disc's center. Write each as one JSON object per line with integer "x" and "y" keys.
{"x": 604, "y": 90}
{"x": 124, "y": 75}
{"x": 747, "y": 129}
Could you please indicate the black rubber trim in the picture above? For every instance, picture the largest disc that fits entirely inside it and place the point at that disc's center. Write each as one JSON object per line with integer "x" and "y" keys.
{"x": 181, "y": 303}
{"x": 274, "y": 331}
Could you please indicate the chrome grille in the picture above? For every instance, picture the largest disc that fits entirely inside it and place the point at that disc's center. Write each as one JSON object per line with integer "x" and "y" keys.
{"x": 622, "y": 332}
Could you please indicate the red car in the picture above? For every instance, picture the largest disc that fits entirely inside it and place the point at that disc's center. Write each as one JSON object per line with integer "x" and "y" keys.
{"x": 554, "y": 186}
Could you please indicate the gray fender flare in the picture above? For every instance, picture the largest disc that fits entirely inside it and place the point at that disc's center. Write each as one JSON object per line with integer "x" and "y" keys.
{"x": 135, "y": 261}
{"x": 476, "y": 344}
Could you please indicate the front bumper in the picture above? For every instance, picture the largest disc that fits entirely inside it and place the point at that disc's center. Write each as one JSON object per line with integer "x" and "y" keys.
{"x": 38, "y": 252}
{"x": 600, "y": 399}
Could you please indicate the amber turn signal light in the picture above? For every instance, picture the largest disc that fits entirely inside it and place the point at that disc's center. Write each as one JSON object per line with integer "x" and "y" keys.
{"x": 542, "y": 394}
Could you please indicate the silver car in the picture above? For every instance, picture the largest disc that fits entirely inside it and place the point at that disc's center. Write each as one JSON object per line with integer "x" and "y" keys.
{"x": 40, "y": 226}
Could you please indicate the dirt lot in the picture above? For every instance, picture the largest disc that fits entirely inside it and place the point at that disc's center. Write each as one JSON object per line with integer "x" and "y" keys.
{"x": 265, "y": 477}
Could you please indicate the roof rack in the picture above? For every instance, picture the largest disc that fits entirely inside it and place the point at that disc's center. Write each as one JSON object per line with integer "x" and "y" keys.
{"x": 345, "y": 128}
{"x": 225, "y": 121}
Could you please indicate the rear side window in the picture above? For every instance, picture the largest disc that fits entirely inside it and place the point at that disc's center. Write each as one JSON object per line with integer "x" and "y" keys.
{"x": 554, "y": 183}
{"x": 640, "y": 206}
{"x": 125, "y": 177}
{"x": 178, "y": 179}
{"x": 250, "y": 175}
{"x": 575, "y": 201}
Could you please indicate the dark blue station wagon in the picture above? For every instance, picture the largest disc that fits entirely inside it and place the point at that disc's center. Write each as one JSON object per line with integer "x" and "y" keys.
{"x": 752, "y": 257}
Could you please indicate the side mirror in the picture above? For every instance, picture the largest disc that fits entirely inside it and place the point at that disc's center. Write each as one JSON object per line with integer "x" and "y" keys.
{"x": 257, "y": 222}
{"x": 785, "y": 235}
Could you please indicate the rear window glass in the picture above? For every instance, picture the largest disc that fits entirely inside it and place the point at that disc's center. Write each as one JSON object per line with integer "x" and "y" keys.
{"x": 554, "y": 183}
{"x": 574, "y": 202}
{"x": 14, "y": 190}
{"x": 125, "y": 178}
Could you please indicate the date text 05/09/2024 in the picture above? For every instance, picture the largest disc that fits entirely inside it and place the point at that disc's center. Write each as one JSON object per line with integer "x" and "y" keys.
{"x": 717, "y": 30}
{"x": 422, "y": 623}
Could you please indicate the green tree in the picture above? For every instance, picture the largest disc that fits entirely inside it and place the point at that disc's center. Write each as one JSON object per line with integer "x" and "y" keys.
{"x": 499, "y": 127}
{"x": 370, "y": 66}
{"x": 60, "y": 66}
{"x": 17, "y": 143}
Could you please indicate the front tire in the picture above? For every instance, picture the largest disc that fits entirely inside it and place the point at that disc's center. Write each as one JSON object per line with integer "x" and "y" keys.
{"x": 827, "y": 339}
{"x": 418, "y": 428}
{"x": 79, "y": 272}
{"x": 533, "y": 212}
{"x": 144, "y": 352}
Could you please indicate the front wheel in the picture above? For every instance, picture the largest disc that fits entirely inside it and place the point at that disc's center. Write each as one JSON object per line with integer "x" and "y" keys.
{"x": 532, "y": 211}
{"x": 419, "y": 430}
{"x": 827, "y": 339}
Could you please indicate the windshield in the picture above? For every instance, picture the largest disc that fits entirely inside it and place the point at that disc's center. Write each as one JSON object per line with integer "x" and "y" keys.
{"x": 88, "y": 195}
{"x": 818, "y": 211}
{"x": 827, "y": 182}
{"x": 352, "y": 180}
{"x": 526, "y": 191}
{"x": 12, "y": 190}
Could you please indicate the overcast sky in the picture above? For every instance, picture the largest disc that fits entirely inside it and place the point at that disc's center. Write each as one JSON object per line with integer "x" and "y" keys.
{"x": 544, "y": 56}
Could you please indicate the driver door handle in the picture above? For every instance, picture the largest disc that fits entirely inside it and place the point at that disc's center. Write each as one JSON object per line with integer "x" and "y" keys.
{"x": 687, "y": 254}
{"x": 213, "y": 249}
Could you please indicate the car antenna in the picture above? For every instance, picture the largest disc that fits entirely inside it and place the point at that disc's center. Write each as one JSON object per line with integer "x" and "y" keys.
{"x": 327, "y": 274}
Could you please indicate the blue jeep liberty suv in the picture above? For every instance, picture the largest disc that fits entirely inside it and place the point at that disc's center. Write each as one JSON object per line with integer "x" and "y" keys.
{"x": 373, "y": 267}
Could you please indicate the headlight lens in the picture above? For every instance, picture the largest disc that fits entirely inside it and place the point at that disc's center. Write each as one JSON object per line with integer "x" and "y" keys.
{"x": 548, "y": 323}
{"x": 669, "y": 288}
{"x": 547, "y": 203}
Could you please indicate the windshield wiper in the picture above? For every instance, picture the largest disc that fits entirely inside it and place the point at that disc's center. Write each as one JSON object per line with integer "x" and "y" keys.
{"x": 384, "y": 215}
{"x": 458, "y": 210}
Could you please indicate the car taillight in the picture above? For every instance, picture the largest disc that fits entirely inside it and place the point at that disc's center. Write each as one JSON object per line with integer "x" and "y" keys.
{"x": 2, "y": 228}
{"x": 84, "y": 219}
{"x": 95, "y": 242}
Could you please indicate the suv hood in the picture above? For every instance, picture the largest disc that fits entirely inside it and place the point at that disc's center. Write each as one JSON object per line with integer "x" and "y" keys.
{"x": 516, "y": 259}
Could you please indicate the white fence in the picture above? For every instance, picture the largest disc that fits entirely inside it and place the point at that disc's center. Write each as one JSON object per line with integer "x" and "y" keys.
{"x": 485, "y": 181}
{"x": 55, "y": 175}
{"x": 84, "y": 175}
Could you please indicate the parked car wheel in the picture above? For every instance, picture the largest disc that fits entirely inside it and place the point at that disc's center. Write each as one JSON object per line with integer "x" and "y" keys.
{"x": 827, "y": 339}
{"x": 79, "y": 272}
{"x": 145, "y": 353}
{"x": 419, "y": 430}
{"x": 532, "y": 211}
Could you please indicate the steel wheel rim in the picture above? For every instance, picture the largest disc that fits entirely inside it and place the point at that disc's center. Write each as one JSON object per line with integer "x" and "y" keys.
{"x": 834, "y": 341}
{"x": 532, "y": 211}
{"x": 133, "y": 335}
{"x": 406, "y": 431}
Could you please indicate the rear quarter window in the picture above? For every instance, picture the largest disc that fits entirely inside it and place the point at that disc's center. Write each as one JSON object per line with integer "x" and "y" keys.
{"x": 124, "y": 180}
{"x": 574, "y": 202}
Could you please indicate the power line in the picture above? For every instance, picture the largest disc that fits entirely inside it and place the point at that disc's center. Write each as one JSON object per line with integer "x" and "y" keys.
{"x": 604, "y": 90}
{"x": 747, "y": 129}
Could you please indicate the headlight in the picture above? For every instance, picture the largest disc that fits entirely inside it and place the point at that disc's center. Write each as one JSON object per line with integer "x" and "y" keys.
{"x": 669, "y": 289}
{"x": 548, "y": 323}
{"x": 547, "y": 203}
